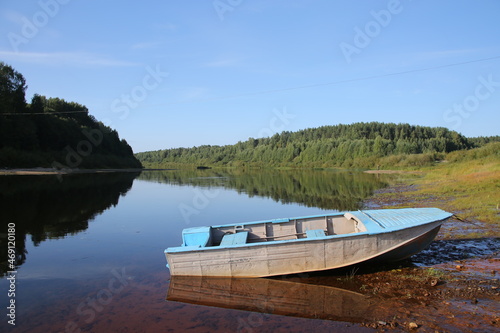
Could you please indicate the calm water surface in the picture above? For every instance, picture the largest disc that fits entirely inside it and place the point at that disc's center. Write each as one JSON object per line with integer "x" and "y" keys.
{"x": 90, "y": 250}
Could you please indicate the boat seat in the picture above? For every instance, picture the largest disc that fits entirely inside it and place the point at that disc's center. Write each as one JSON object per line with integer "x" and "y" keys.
{"x": 197, "y": 236}
{"x": 234, "y": 239}
{"x": 316, "y": 233}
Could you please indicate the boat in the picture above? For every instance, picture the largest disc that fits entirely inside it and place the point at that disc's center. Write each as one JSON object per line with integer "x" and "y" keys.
{"x": 275, "y": 296}
{"x": 304, "y": 244}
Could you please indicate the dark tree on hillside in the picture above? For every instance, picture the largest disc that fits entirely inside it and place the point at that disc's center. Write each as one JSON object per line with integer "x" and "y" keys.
{"x": 12, "y": 90}
{"x": 37, "y": 104}
{"x": 54, "y": 132}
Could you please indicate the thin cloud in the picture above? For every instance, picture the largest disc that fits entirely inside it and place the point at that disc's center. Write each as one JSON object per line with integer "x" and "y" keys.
{"x": 227, "y": 62}
{"x": 65, "y": 58}
{"x": 439, "y": 54}
{"x": 12, "y": 16}
{"x": 195, "y": 93}
{"x": 170, "y": 27}
{"x": 146, "y": 45}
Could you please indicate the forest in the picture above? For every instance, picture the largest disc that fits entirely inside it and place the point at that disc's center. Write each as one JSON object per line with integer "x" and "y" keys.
{"x": 52, "y": 132}
{"x": 358, "y": 145}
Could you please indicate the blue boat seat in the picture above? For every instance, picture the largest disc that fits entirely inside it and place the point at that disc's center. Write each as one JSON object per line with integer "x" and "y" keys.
{"x": 234, "y": 239}
{"x": 316, "y": 233}
{"x": 197, "y": 236}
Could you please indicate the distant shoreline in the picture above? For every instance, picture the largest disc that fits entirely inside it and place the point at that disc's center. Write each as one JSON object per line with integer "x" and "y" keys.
{"x": 52, "y": 171}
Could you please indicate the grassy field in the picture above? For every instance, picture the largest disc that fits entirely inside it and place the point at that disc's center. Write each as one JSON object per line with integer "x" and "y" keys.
{"x": 466, "y": 183}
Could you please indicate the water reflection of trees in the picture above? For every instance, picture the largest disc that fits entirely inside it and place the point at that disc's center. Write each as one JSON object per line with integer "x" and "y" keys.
{"x": 312, "y": 188}
{"x": 46, "y": 208}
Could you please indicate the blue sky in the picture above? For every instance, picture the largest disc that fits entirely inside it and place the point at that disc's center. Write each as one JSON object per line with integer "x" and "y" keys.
{"x": 186, "y": 73}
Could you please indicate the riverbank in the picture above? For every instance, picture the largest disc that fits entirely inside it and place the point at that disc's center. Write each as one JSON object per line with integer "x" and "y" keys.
{"x": 52, "y": 171}
{"x": 454, "y": 284}
{"x": 468, "y": 190}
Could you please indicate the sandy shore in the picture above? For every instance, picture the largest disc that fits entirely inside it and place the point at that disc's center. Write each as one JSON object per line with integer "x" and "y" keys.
{"x": 52, "y": 171}
{"x": 391, "y": 171}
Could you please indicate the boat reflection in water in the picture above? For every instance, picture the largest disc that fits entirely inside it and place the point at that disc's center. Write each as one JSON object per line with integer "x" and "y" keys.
{"x": 273, "y": 296}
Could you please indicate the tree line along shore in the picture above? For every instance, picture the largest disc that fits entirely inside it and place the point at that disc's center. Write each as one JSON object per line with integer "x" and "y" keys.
{"x": 360, "y": 145}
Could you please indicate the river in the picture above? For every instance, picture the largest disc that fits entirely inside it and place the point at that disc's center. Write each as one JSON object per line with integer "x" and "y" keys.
{"x": 89, "y": 248}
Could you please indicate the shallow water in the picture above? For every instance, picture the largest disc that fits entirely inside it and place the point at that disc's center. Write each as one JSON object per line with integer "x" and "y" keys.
{"x": 89, "y": 248}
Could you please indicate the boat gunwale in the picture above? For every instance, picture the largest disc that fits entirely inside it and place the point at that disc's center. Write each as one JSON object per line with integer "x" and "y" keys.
{"x": 178, "y": 249}
{"x": 371, "y": 226}
{"x": 279, "y": 220}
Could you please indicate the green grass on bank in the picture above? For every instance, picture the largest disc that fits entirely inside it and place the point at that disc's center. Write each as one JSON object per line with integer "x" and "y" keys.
{"x": 466, "y": 183}
{"x": 469, "y": 182}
